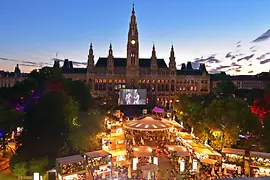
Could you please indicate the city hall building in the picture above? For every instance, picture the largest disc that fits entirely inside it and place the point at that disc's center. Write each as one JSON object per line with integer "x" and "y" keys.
{"x": 162, "y": 82}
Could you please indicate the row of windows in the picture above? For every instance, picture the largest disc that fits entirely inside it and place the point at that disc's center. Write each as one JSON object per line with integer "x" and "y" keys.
{"x": 5, "y": 85}
{"x": 146, "y": 81}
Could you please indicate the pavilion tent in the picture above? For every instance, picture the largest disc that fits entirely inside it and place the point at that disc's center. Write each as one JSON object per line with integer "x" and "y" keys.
{"x": 260, "y": 154}
{"x": 158, "y": 110}
{"x": 147, "y": 123}
{"x": 99, "y": 153}
{"x": 233, "y": 151}
{"x": 70, "y": 159}
{"x": 181, "y": 150}
{"x": 142, "y": 151}
{"x": 209, "y": 161}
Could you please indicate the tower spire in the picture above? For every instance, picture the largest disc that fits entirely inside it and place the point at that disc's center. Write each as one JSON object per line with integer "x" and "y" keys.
{"x": 110, "y": 49}
{"x": 172, "y": 63}
{"x": 133, "y": 9}
{"x": 90, "y": 63}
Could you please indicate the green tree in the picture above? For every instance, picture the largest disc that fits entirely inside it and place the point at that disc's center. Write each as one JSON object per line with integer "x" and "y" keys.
{"x": 20, "y": 169}
{"x": 226, "y": 88}
{"x": 227, "y": 118}
{"x": 38, "y": 165}
{"x": 187, "y": 108}
{"x": 10, "y": 119}
{"x": 46, "y": 128}
{"x": 87, "y": 136}
{"x": 266, "y": 133}
{"x": 79, "y": 92}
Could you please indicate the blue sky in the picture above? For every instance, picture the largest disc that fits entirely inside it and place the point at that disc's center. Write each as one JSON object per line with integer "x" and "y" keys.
{"x": 33, "y": 31}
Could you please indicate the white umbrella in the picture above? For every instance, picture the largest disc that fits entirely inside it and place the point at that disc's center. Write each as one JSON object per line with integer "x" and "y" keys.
{"x": 149, "y": 176}
{"x": 129, "y": 171}
{"x": 142, "y": 141}
{"x": 239, "y": 170}
{"x": 133, "y": 141}
{"x": 213, "y": 171}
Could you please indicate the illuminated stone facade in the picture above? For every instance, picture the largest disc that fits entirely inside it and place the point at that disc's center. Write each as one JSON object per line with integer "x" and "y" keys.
{"x": 9, "y": 79}
{"x": 162, "y": 81}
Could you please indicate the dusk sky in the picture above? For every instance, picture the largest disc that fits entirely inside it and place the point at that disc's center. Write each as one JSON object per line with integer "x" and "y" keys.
{"x": 33, "y": 31}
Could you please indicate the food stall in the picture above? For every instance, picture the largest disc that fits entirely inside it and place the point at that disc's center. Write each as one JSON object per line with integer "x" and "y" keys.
{"x": 144, "y": 160}
{"x": 233, "y": 160}
{"x": 70, "y": 167}
{"x": 260, "y": 163}
{"x": 98, "y": 164}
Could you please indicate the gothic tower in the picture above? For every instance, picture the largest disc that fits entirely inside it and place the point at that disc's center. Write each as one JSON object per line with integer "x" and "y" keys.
{"x": 172, "y": 63}
{"x": 90, "y": 62}
{"x": 110, "y": 63}
{"x": 154, "y": 59}
{"x": 133, "y": 43}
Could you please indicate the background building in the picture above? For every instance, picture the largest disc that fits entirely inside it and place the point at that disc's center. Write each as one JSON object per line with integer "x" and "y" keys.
{"x": 162, "y": 81}
{"x": 258, "y": 81}
{"x": 9, "y": 79}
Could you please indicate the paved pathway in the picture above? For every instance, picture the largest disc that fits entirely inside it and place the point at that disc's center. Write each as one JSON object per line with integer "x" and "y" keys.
{"x": 164, "y": 164}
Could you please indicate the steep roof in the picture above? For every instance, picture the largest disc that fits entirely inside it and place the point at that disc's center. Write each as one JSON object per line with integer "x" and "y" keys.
{"x": 189, "y": 72}
{"x": 122, "y": 62}
{"x": 74, "y": 70}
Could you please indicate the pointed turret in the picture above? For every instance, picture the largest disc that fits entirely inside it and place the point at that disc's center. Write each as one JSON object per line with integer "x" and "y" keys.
{"x": 172, "y": 63}
{"x": 110, "y": 63}
{"x": 17, "y": 71}
{"x": 90, "y": 62}
{"x": 153, "y": 58}
{"x": 56, "y": 63}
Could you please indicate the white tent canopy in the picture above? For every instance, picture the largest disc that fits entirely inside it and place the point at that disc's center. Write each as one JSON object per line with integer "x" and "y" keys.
{"x": 181, "y": 150}
{"x": 142, "y": 151}
{"x": 233, "y": 151}
{"x": 148, "y": 123}
{"x": 69, "y": 159}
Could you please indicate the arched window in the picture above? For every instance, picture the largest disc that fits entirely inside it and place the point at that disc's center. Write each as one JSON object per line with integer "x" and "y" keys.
{"x": 172, "y": 87}
{"x": 167, "y": 87}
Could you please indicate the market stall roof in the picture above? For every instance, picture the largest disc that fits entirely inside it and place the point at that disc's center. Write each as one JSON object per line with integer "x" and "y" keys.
{"x": 181, "y": 150}
{"x": 142, "y": 151}
{"x": 148, "y": 123}
{"x": 260, "y": 154}
{"x": 206, "y": 151}
{"x": 185, "y": 135}
{"x": 122, "y": 163}
{"x": 194, "y": 144}
{"x": 233, "y": 151}
{"x": 174, "y": 123}
{"x": 117, "y": 152}
{"x": 209, "y": 161}
{"x": 69, "y": 159}
{"x": 158, "y": 110}
{"x": 95, "y": 154}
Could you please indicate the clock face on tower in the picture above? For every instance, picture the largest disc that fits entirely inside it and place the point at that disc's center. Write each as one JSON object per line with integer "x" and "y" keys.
{"x": 133, "y": 42}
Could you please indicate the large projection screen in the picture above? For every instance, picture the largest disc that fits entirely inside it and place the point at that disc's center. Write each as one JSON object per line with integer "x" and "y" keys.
{"x": 132, "y": 96}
